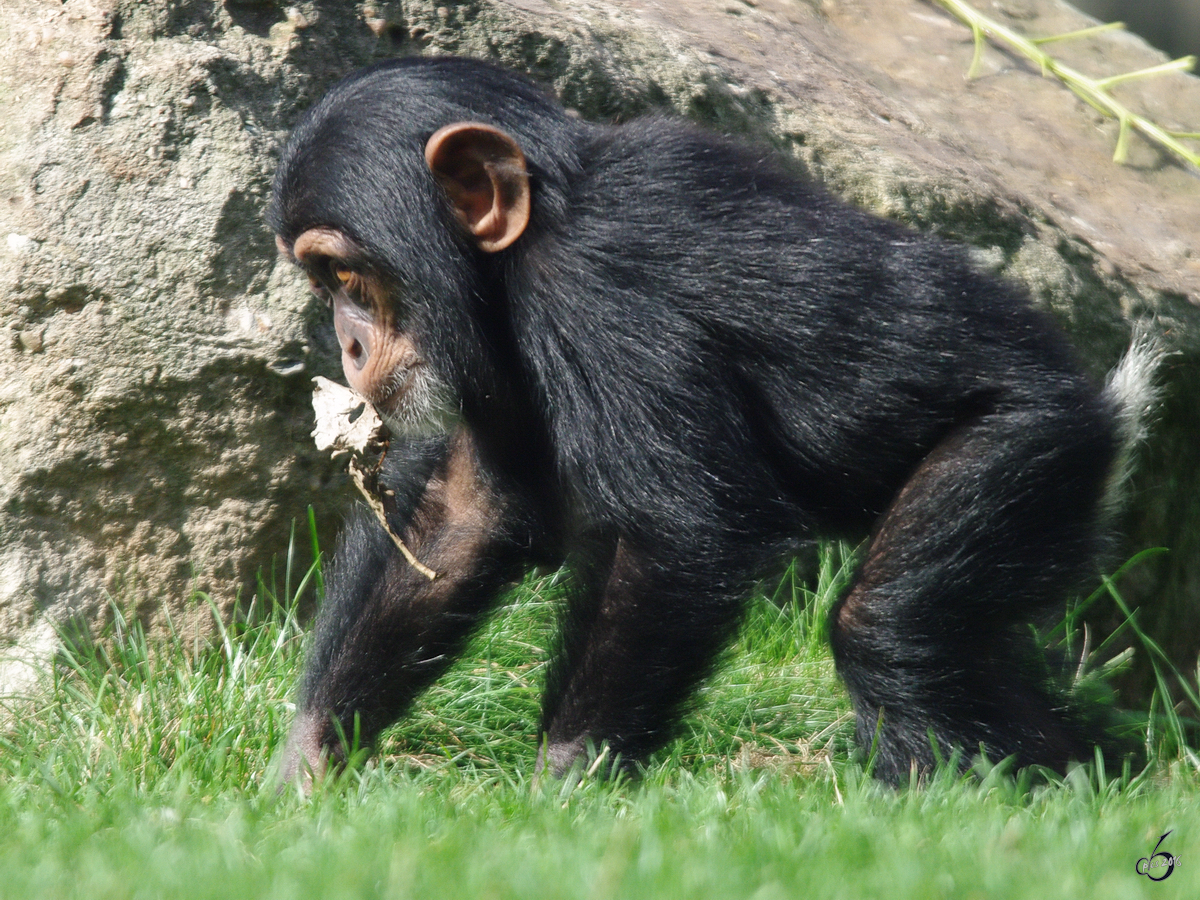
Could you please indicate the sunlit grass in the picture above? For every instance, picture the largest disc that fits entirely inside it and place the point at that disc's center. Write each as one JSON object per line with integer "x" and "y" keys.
{"x": 143, "y": 772}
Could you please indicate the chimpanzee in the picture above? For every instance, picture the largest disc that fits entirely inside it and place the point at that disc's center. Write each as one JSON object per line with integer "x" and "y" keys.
{"x": 660, "y": 357}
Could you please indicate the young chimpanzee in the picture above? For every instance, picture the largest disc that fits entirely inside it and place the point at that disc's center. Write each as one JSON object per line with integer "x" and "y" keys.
{"x": 662, "y": 358}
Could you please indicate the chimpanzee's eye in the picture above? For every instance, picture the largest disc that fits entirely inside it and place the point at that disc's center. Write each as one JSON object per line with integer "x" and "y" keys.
{"x": 349, "y": 282}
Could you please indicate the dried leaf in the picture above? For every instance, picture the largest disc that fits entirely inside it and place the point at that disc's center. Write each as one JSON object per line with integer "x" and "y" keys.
{"x": 346, "y": 421}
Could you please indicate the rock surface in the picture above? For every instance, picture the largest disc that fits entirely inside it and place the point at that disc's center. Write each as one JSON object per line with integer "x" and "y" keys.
{"x": 155, "y": 357}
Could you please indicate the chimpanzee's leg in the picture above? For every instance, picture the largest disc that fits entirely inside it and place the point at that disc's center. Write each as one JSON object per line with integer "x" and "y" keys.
{"x": 385, "y": 630}
{"x": 634, "y": 647}
{"x": 998, "y": 523}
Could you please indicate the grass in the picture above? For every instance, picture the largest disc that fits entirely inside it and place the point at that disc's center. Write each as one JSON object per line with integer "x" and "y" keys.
{"x": 143, "y": 773}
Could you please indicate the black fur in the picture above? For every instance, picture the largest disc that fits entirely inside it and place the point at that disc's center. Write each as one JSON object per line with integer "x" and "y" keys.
{"x": 689, "y": 363}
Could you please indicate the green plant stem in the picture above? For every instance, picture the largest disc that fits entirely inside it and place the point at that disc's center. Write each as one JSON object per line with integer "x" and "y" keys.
{"x": 1081, "y": 33}
{"x": 1093, "y": 91}
{"x": 1183, "y": 64}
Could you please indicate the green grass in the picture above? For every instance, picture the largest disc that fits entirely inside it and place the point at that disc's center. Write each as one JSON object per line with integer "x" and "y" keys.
{"x": 144, "y": 774}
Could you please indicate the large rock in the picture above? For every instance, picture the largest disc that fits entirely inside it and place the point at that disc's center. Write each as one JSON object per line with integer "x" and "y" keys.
{"x": 156, "y": 357}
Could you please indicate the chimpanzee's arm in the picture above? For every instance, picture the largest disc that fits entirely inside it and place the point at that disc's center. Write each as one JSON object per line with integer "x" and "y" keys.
{"x": 386, "y": 630}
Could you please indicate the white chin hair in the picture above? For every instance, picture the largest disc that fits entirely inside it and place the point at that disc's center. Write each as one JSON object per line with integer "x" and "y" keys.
{"x": 428, "y": 407}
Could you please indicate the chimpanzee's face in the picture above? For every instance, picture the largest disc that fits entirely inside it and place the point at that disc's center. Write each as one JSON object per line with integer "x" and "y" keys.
{"x": 381, "y": 351}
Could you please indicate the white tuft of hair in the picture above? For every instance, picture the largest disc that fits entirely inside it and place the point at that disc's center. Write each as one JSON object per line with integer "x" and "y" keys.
{"x": 429, "y": 406}
{"x": 1134, "y": 393}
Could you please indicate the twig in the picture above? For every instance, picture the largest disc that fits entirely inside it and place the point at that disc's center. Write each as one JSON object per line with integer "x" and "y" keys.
{"x": 367, "y": 482}
{"x": 1093, "y": 91}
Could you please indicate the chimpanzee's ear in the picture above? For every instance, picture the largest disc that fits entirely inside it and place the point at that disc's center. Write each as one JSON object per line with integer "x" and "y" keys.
{"x": 482, "y": 170}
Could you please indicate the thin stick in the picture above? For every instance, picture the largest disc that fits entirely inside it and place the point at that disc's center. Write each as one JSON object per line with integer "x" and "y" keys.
{"x": 362, "y": 479}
